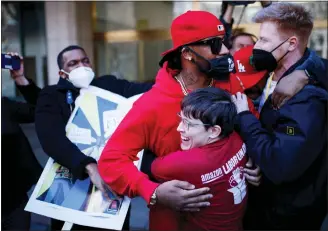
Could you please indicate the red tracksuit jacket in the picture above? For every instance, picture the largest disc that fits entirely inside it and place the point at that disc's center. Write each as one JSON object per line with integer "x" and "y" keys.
{"x": 217, "y": 166}
{"x": 150, "y": 124}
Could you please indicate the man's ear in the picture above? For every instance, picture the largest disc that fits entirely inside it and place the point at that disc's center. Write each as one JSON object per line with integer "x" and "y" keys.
{"x": 215, "y": 131}
{"x": 186, "y": 54}
{"x": 293, "y": 43}
{"x": 62, "y": 74}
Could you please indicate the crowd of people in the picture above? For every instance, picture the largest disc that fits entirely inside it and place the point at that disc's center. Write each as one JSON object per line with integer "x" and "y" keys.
{"x": 234, "y": 128}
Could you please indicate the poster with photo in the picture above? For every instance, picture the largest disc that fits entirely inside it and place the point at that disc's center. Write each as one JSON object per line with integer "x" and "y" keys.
{"x": 61, "y": 196}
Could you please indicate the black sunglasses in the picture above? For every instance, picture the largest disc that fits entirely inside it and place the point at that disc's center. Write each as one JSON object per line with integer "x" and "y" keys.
{"x": 214, "y": 43}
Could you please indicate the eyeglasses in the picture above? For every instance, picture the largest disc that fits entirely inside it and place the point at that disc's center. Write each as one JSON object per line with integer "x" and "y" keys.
{"x": 186, "y": 124}
{"x": 214, "y": 43}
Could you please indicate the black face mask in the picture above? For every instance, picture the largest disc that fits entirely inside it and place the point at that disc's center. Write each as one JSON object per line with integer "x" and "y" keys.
{"x": 219, "y": 68}
{"x": 264, "y": 60}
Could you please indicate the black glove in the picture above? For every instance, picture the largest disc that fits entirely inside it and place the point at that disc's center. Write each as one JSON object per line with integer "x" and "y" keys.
{"x": 224, "y": 7}
{"x": 233, "y": 3}
{"x": 241, "y": 3}
{"x": 266, "y": 3}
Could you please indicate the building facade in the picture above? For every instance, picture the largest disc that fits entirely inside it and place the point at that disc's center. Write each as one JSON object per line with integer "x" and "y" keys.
{"x": 121, "y": 38}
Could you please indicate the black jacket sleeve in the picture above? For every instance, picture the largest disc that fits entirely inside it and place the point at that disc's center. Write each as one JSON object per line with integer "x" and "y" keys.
{"x": 284, "y": 154}
{"x": 121, "y": 86}
{"x": 21, "y": 112}
{"x": 50, "y": 127}
{"x": 30, "y": 92}
{"x": 317, "y": 68}
{"x": 325, "y": 76}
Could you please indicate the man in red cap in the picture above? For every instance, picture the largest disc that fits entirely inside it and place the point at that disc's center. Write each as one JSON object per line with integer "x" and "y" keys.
{"x": 197, "y": 60}
{"x": 247, "y": 79}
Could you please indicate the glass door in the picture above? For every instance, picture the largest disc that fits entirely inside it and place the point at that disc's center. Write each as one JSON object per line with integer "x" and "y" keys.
{"x": 129, "y": 45}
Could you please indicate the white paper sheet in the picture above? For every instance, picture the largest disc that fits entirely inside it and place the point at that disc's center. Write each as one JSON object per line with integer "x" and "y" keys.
{"x": 57, "y": 194}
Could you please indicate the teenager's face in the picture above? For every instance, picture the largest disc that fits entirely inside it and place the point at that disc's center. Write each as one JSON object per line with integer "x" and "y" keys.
{"x": 193, "y": 133}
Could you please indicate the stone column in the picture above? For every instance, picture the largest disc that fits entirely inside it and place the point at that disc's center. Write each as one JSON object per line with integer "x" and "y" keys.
{"x": 67, "y": 23}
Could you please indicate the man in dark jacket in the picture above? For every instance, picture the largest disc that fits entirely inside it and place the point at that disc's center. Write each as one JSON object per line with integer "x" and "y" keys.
{"x": 54, "y": 108}
{"x": 288, "y": 143}
{"x": 20, "y": 168}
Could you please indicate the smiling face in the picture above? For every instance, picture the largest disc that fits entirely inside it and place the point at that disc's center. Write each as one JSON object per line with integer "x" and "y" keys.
{"x": 193, "y": 133}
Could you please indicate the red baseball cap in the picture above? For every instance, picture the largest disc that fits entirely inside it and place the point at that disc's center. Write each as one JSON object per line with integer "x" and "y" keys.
{"x": 246, "y": 73}
{"x": 194, "y": 26}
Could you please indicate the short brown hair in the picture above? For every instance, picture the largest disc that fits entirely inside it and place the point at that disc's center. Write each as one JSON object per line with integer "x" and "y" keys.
{"x": 290, "y": 18}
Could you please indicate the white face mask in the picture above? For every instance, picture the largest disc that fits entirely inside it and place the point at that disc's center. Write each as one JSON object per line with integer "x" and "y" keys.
{"x": 80, "y": 77}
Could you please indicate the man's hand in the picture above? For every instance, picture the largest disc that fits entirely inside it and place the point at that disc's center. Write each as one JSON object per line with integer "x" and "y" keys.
{"x": 92, "y": 170}
{"x": 182, "y": 196}
{"x": 240, "y": 100}
{"x": 288, "y": 86}
{"x": 18, "y": 75}
{"x": 253, "y": 176}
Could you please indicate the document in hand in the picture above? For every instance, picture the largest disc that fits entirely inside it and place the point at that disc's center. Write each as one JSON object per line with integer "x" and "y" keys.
{"x": 58, "y": 194}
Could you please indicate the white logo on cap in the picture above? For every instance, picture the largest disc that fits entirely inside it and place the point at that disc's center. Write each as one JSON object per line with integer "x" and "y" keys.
{"x": 220, "y": 28}
{"x": 241, "y": 67}
{"x": 231, "y": 64}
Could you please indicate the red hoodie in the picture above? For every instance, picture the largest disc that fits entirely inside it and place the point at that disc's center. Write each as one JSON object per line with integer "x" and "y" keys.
{"x": 217, "y": 166}
{"x": 150, "y": 124}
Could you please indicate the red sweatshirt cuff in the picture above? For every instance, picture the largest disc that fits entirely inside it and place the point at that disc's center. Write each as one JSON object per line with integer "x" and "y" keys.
{"x": 146, "y": 188}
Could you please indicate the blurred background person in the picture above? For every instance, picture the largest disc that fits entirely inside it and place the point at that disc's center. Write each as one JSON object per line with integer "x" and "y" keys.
{"x": 19, "y": 167}
{"x": 240, "y": 40}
